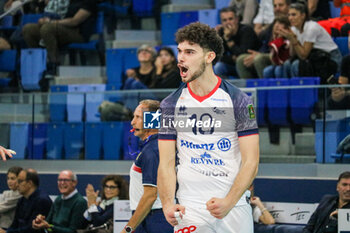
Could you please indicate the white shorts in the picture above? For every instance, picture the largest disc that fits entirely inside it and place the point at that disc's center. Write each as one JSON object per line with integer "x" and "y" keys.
{"x": 238, "y": 220}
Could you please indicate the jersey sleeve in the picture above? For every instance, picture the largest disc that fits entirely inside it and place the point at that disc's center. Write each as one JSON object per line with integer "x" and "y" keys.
{"x": 167, "y": 130}
{"x": 245, "y": 116}
{"x": 149, "y": 167}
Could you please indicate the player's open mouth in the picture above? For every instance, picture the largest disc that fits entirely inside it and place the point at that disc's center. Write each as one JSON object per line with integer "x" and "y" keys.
{"x": 183, "y": 70}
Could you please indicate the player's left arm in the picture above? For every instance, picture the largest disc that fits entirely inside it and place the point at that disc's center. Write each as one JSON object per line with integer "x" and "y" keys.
{"x": 249, "y": 147}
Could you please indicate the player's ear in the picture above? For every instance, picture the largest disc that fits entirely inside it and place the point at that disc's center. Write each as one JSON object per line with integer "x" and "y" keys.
{"x": 210, "y": 57}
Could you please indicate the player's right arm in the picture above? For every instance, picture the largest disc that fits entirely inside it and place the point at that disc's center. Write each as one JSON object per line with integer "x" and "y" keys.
{"x": 167, "y": 180}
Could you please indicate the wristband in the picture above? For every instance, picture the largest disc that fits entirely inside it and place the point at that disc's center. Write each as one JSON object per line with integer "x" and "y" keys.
{"x": 262, "y": 211}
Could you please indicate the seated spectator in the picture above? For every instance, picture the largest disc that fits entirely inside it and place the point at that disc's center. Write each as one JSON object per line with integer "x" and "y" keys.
{"x": 6, "y": 152}
{"x": 324, "y": 219}
{"x": 33, "y": 202}
{"x": 4, "y": 44}
{"x": 280, "y": 8}
{"x": 253, "y": 64}
{"x": 312, "y": 45}
{"x": 75, "y": 27}
{"x": 245, "y": 9}
{"x": 113, "y": 188}
{"x": 264, "y": 17}
{"x": 9, "y": 198}
{"x": 260, "y": 213}
{"x": 143, "y": 76}
{"x": 237, "y": 38}
{"x": 66, "y": 214}
{"x": 338, "y": 26}
{"x": 340, "y": 97}
{"x": 279, "y": 52}
{"x": 167, "y": 72}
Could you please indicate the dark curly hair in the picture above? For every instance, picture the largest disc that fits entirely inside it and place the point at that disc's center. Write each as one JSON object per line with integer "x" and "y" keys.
{"x": 120, "y": 182}
{"x": 205, "y": 36}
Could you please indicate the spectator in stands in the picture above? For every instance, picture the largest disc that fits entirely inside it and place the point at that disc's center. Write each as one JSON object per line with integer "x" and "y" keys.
{"x": 6, "y": 152}
{"x": 252, "y": 65}
{"x": 33, "y": 202}
{"x": 340, "y": 97}
{"x": 245, "y": 9}
{"x": 113, "y": 188}
{"x": 9, "y": 198}
{"x": 280, "y": 8}
{"x": 75, "y": 27}
{"x": 167, "y": 72}
{"x": 237, "y": 38}
{"x": 260, "y": 213}
{"x": 324, "y": 219}
{"x": 142, "y": 77}
{"x": 66, "y": 214}
{"x": 4, "y": 44}
{"x": 264, "y": 17}
{"x": 311, "y": 44}
{"x": 338, "y": 26}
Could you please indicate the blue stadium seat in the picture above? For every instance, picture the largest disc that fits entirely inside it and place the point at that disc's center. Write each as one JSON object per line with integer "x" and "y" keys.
{"x": 93, "y": 101}
{"x": 277, "y": 102}
{"x": 169, "y": 26}
{"x": 342, "y": 43}
{"x": 6, "y": 24}
{"x": 114, "y": 67}
{"x": 112, "y": 140}
{"x": 302, "y": 100}
{"x": 143, "y": 8}
{"x": 19, "y": 139}
{"x": 261, "y": 98}
{"x": 335, "y": 11}
{"x": 30, "y": 18}
{"x": 210, "y": 17}
{"x": 187, "y": 17}
{"x": 93, "y": 45}
{"x": 93, "y": 140}
{"x": 130, "y": 59}
{"x": 75, "y": 103}
{"x": 335, "y": 131}
{"x": 33, "y": 65}
{"x": 7, "y": 64}
{"x": 55, "y": 135}
{"x": 118, "y": 60}
{"x": 37, "y": 140}
{"x": 221, "y": 3}
{"x": 73, "y": 140}
{"x": 58, "y": 103}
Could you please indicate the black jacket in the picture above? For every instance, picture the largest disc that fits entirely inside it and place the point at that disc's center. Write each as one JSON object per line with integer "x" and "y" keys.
{"x": 320, "y": 218}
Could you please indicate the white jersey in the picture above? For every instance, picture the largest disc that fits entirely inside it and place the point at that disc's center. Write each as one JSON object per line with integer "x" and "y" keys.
{"x": 206, "y": 130}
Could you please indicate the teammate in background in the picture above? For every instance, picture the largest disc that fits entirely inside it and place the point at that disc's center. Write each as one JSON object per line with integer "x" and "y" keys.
{"x": 4, "y": 152}
{"x": 217, "y": 161}
{"x": 147, "y": 215}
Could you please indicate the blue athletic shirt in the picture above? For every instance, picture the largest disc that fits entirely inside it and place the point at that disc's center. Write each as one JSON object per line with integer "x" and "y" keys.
{"x": 206, "y": 130}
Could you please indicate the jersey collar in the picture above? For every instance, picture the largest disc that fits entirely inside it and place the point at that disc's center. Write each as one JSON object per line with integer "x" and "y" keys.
{"x": 202, "y": 98}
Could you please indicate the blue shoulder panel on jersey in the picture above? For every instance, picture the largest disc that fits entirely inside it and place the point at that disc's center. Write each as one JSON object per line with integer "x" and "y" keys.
{"x": 242, "y": 107}
{"x": 167, "y": 107}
